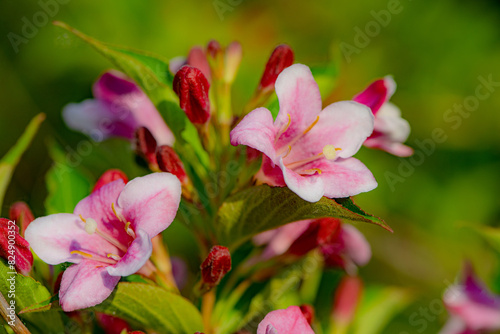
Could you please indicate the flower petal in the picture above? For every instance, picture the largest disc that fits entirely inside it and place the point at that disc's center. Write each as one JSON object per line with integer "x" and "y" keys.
{"x": 377, "y": 93}
{"x": 150, "y": 202}
{"x": 289, "y": 321}
{"x": 137, "y": 254}
{"x": 270, "y": 173}
{"x": 299, "y": 97}
{"x": 54, "y": 237}
{"x": 257, "y": 131}
{"x": 310, "y": 188}
{"x": 84, "y": 285}
{"x": 356, "y": 246}
{"x": 284, "y": 238}
{"x": 345, "y": 177}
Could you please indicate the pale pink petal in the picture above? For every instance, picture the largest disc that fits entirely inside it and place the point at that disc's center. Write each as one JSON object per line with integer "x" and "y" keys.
{"x": 310, "y": 188}
{"x": 345, "y": 125}
{"x": 377, "y": 93}
{"x": 54, "y": 237}
{"x": 284, "y": 238}
{"x": 288, "y": 321}
{"x": 176, "y": 63}
{"x": 344, "y": 177}
{"x": 98, "y": 207}
{"x": 150, "y": 202}
{"x": 356, "y": 246}
{"x": 299, "y": 97}
{"x": 137, "y": 254}
{"x": 257, "y": 131}
{"x": 454, "y": 325}
{"x": 197, "y": 58}
{"x": 84, "y": 285}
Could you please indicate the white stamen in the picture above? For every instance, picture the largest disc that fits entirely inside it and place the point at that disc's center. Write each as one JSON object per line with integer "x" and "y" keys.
{"x": 330, "y": 152}
{"x": 90, "y": 226}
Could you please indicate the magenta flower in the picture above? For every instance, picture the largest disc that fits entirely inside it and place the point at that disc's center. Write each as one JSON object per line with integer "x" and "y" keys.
{"x": 107, "y": 236}
{"x": 120, "y": 107}
{"x": 289, "y": 321}
{"x": 306, "y": 148}
{"x": 390, "y": 130}
{"x": 473, "y": 308}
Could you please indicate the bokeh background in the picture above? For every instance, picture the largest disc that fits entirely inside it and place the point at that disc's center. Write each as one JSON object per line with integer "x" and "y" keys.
{"x": 436, "y": 51}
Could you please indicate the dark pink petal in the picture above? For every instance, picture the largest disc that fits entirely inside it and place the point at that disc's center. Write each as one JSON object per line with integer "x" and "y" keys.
{"x": 299, "y": 97}
{"x": 84, "y": 285}
{"x": 137, "y": 254}
{"x": 98, "y": 206}
{"x": 257, "y": 131}
{"x": 150, "y": 202}
{"x": 310, "y": 188}
{"x": 377, "y": 93}
{"x": 289, "y": 321}
{"x": 109, "y": 176}
{"x": 270, "y": 173}
{"x": 54, "y": 237}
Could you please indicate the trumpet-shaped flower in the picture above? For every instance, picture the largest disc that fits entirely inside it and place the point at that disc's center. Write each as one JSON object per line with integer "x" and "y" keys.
{"x": 289, "y": 321}
{"x": 306, "y": 148}
{"x": 390, "y": 129}
{"x": 120, "y": 107}
{"x": 107, "y": 236}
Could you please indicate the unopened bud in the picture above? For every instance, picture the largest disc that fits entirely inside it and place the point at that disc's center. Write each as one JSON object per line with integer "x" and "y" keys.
{"x": 168, "y": 161}
{"x": 213, "y": 48}
{"x": 308, "y": 313}
{"x": 234, "y": 53}
{"x": 109, "y": 176}
{"x": 112, "y": 324}
{"x": 145, "y": 145}
{"x": 9, "y": 232}
{"x": 21, "y": 214}
{"x": 281, "y": 58}
{"x": 320, "y": 232}
{"x": 216, "y": 265}
{"x": 198, "y": 58}
{"x": 346, "y": 300}
{"x": 192, "y": 88}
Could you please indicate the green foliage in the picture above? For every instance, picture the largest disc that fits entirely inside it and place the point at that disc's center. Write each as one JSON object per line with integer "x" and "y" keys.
{"x": 152, "y": 308}
{"x": 262, "y": 208}
{"x": 29, "y": 292}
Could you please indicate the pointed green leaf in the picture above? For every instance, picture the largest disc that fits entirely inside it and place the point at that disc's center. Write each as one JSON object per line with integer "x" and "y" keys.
{"x": 153, "y": 308}
{"x": 11, "y": 159}
{"x": 262, "y": 208}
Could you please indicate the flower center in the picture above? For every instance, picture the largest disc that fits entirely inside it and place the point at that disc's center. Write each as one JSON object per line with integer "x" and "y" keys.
{"x": 329, "y": 151}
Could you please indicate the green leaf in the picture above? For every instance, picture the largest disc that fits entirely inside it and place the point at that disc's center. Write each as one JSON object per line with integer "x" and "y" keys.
{"x": 153, "y": 308}
{"x": 490, "y": 234}
{"x": 29, "y": 292}
{"x": 262, "y": 208}
{"x": 11, "y": 159}
{"x": 66, "y": 185}
{"x": 378, "y": 306}
{"x": 326, "y": 77}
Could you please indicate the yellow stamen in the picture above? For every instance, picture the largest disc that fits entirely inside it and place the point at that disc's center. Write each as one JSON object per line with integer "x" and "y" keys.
{"x": 83, "y": 219}
{"x": 312, "y": 171}
{"x": 129, "y": 230}
{"x": 117, "y": 215}
{"x": 288, "y": 152}
{"x": 311, "y": 126}
{"x": 113, "y": 256}
{"x": 81, "y": 253}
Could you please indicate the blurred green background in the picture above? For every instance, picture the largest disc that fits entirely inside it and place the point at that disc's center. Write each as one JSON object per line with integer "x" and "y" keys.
{"x": 435, "y": 50}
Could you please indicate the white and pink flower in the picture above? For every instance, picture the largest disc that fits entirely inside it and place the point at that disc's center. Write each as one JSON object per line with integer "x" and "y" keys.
{"x": 289, "y": 321}
{"x": 308, "y": 149}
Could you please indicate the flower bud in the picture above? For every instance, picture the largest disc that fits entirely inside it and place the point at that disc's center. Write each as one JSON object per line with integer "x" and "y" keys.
{"x": 281, "y": 58}
{"x": 308, "y": 313}
{"x": 111, "y": 324}
{"x": 146, "y": 145}
{"x": 109, "y": 176}
{"x": 192, "y": 88}
{"x": 198, "y": 58}
{"x": 216, "y": 265}
{"x": 19, "y": 250}
{"x": 21, "y": 214}
{"x": 168, "y": 161}
{"x": 234, "y": 53}
{"x": 213, "y": 49}
{"x": 320, "y": 232}
{"x": 346, "y": 300}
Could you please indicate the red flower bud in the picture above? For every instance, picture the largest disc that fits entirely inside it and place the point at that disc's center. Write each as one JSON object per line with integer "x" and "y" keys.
{"x": 192, "y": 88}
{"x": 111, "y": 324}
{"x": 145, "y": 145}
{"x": 346, "y": 300}
{"x": 21, "y": 214}
{"x": 307, "y": 312}
{"x": 281, "y": 58}
{"x": 168, "y": 161}
{"x": 109, "y": 176}
{"x": 14, "y": 248}
{"x": 216, "y": 265}
{"x": 213, "y": 48}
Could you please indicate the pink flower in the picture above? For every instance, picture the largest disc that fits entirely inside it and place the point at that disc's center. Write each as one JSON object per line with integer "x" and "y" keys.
{"x": 107, "y": 236}
{"x": 306, "y": 148}
{"x": 289, "y": 321}
{"x": 390, "y": 130}
{"x": 473, "y": 308}
{"x": 119, "y": 108}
